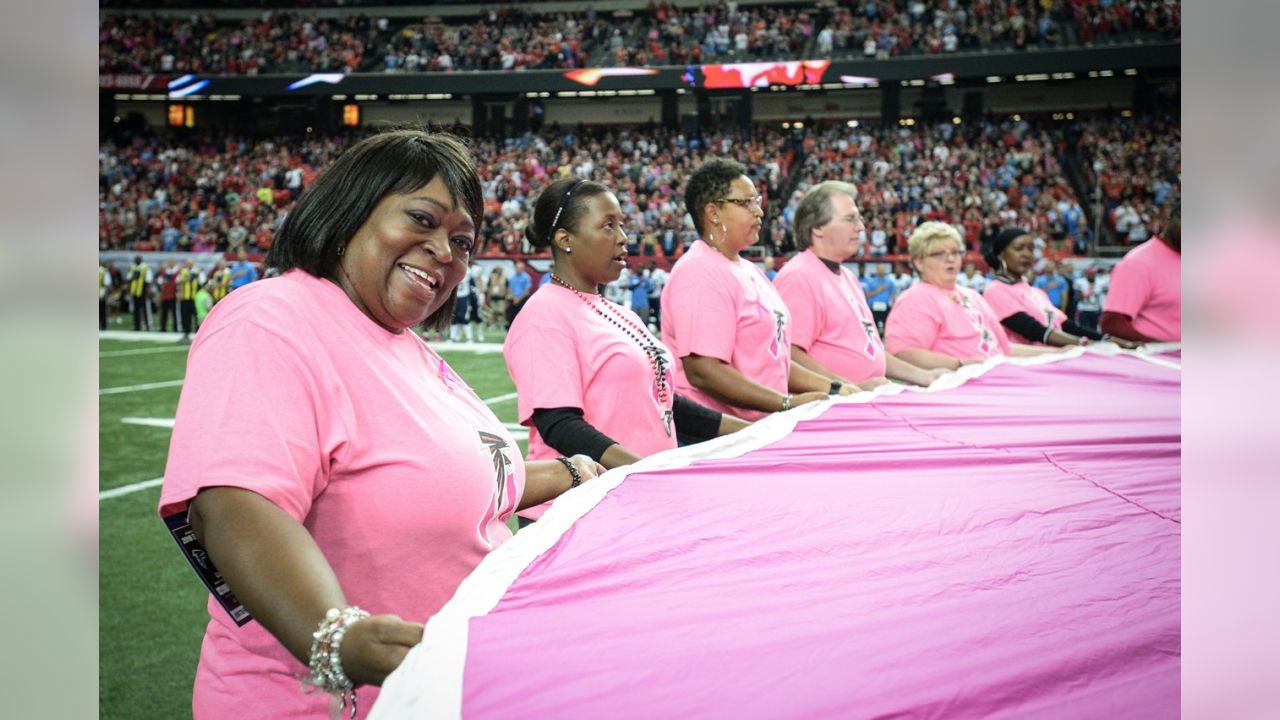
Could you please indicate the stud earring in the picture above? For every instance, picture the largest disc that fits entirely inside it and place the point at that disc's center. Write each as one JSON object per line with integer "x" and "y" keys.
{"x": 568, "y": 250}
{"x": 341, "y": 249}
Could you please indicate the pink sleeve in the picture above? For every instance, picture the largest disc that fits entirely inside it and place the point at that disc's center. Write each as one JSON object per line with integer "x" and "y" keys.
{"x": 1001, "y": 299}
{"x": 543, "y": 363}
{"x": 805, "y": 308}
{"x": 707, "y": 320}
{"x": 1130, "y": 288}
{"x": 249, "y": 417}
{"x": 911, "y": 325}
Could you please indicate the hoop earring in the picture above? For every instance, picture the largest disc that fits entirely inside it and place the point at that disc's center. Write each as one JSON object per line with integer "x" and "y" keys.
{"x": 1004, "y": 267}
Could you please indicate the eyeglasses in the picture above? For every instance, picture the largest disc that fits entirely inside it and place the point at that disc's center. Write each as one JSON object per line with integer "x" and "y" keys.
{"x": 948, "y": 254}
{"x": 745, "y": 203}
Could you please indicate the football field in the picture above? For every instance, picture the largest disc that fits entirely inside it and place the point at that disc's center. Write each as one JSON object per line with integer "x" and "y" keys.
{"x": 151, "y": 605}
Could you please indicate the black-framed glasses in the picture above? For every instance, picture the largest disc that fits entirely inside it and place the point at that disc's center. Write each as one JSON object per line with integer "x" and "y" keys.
{"x": 745, "y": 203}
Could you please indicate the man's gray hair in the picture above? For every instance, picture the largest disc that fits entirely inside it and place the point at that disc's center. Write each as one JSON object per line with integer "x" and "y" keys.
{"x": 814, "y": 210}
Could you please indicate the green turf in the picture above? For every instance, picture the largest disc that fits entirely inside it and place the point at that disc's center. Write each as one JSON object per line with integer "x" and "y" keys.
{"x": 151, "y": 606}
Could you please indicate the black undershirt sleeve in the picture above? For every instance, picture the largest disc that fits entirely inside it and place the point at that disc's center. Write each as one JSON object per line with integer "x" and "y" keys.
{"x": 1080, "y": 331}
{"x": 1026, "y": 326}
{"x": 694, "y": 422}
{"x": 565, "y": 431}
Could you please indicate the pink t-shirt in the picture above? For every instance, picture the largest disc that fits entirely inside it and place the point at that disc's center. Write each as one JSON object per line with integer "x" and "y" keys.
{"x": 830, "y": 318}
{"x": 1147, "y": 286}
{"x": 726, "y": 310}
{"x": 368, "y": 438}
{"x": 956, "y": 322}
{"x": 1006, "y": 299}
{"x": 561, "y": 353}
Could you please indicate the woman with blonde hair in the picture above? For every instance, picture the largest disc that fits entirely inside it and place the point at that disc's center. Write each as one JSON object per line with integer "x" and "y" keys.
{"x": 938, "y": 324}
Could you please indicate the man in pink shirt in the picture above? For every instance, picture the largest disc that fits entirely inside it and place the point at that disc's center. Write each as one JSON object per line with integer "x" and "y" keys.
{"x": 1145, "y": 302}
{"x": 833, "y": 331}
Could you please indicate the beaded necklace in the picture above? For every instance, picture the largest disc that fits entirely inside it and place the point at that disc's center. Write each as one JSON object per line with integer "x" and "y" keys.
{"x": 657, "y": 358}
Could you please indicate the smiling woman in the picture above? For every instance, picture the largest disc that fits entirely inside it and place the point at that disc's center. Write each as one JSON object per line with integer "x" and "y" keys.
{"x": 325, "y": 457}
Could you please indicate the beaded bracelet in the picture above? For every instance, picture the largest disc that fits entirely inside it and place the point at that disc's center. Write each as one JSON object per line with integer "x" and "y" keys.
{"x": 786, "y": 402}
{"x": 325, "y": 661}
{"x": 576, "y": 477}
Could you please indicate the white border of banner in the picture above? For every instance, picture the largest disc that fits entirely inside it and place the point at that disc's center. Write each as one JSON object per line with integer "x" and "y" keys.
{"x": 436, "y": 664}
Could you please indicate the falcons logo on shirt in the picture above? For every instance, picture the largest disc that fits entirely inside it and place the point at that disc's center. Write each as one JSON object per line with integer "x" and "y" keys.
{"x": 503, "y": 478}
{"x": 779, "y": 325}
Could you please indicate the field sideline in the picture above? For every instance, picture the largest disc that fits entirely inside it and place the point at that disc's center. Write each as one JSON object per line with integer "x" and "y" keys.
{"x": 151, "y": 606}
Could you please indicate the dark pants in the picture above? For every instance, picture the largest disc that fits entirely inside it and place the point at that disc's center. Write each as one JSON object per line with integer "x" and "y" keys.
{"x": 1088, "y": 319}
{"x": 168, "y": 311}
{"x": 880, "y": 316}
{"x": 102, "y": 314}
{"x": 515, "y": 309}
{"x": 188, "y": 310}
{"x": 141, "y": 316}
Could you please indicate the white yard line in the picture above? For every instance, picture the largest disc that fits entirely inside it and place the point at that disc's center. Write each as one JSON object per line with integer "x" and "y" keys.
{"x": 144, "y": 336}
{"x": 129, "y": 489}
{"x": 144, "y": 351}
{"x": 134, "y": 388}
{"x": 149, "y": 422}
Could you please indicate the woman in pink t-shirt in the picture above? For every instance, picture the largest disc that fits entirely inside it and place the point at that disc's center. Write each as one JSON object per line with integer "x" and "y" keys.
{"x": 591, "y": 378}
{"x": 324, "y": 458}
{"x": 725, "y": 322}
{"x": 937, "y": 323}
{"x": 1145, "y": 301}
{"x": 1025, "y": 311}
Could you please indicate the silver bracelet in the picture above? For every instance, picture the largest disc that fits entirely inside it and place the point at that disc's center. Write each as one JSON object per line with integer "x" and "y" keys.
{"x": 786, "y": 402}
{"x": 325, "y": 661}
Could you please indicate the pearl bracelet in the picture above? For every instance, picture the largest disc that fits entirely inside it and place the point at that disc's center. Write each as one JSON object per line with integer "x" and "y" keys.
{"x": 325, "y": 661}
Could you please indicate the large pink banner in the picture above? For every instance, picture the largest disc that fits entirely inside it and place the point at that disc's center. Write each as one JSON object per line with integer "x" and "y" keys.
{"x": 1007, "y": 547}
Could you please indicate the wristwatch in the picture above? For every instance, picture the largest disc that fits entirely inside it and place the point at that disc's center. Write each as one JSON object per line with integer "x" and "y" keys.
{"x": 835, "y": 387}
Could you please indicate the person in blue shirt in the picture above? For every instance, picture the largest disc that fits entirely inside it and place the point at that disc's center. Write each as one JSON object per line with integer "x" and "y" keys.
{"x": 769, "y": 271}
{"x": 1054, "y": 285}
{"x": 880, "y": 290}
{"x": 521, "y": 286}
{"x": 641, "y": 286}
{"x": 243, "y": 272}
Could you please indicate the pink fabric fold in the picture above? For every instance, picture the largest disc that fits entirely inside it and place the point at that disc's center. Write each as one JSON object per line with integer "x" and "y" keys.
{"x": 1007, "y": 548}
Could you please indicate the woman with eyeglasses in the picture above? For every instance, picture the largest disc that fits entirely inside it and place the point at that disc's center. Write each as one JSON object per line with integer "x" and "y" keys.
{"x": 938, "y": 324}
{"x": 726, "y": 324}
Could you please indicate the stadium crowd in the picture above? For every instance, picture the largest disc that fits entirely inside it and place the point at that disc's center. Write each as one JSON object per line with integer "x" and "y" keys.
{"x": 512, "y": 37}
{"x": 221, "y": 194}
{"x": 276, "y": 42}
{"x": 979, "y": 176}
{"x": 230, "y": 195}
{"x": 1139, "y": 171}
